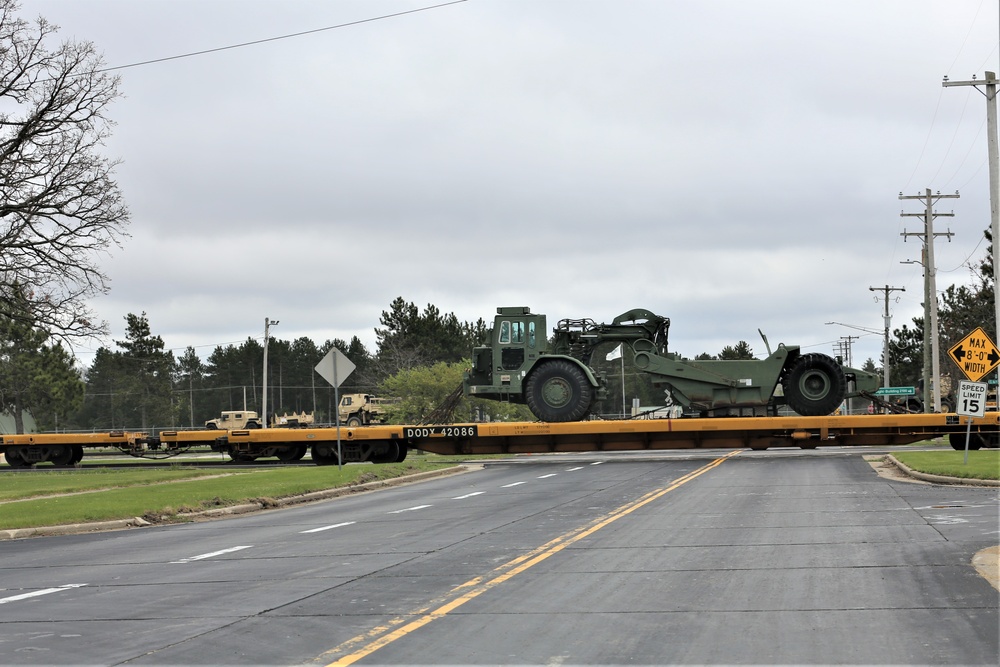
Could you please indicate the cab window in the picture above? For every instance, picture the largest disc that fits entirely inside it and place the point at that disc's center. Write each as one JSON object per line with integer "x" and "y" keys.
{"x": 531, "y": 334}
{"x": 517, "y": 332}
{"x": 504, "y": 332}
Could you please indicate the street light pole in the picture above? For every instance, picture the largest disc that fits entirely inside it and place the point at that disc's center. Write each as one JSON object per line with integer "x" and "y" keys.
{"x": 267, "y": 329}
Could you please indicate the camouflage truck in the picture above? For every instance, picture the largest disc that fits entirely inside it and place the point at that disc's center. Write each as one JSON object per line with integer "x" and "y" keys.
{"x": 236, "y": 420}
{"x": 364, "y": 409}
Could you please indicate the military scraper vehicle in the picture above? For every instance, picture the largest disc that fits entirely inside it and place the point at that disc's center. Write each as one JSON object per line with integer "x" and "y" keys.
{"x": 557, "y": 382}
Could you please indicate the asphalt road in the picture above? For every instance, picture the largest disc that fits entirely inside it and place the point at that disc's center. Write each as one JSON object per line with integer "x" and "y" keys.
{"x": 698, "y": 559}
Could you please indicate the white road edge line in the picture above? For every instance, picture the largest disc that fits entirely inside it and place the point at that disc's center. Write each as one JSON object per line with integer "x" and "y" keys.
{"x": 410, "y": 509}
{"x": 44, "y": 591}
{"x": 211, "y": 555}
{"x": 319, "y": 530}
{"x": 469, "y": 495}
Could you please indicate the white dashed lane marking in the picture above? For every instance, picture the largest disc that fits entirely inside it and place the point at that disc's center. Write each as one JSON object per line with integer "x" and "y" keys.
{"x": 44, "y": 591}
{"x": 321, "y": 529}
{"x": 212, "y": 554}
{"x": 411, "y": 509}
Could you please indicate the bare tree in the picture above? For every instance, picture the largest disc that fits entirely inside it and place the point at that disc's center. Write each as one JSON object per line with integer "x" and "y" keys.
{"x": 60, "y": 208}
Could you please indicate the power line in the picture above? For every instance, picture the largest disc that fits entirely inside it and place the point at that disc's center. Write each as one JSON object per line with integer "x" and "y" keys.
{"x": 274, "y": 39}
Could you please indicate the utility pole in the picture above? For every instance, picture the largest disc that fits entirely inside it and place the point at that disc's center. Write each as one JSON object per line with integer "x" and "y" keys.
{"x": 844, "y": 348}
{"x": 844, "y": 345}
{"x": 991, "y": 135}
{"x": 886, "y": 319}
{"x": 932, "y": 360}
{"x": 267, "y": 331}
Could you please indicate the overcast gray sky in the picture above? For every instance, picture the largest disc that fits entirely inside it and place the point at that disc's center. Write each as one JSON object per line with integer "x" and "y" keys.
{"x": 733, "y": 165}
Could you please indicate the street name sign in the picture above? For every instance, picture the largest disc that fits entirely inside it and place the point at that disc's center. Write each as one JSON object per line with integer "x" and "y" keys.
{"x": 971, "y": 399}
{"x": 976, "y": 355}
{"x": 896, "y": 391}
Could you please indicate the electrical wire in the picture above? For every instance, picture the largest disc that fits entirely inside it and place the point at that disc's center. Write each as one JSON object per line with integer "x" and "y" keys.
{"x": 972, "y": 145}
{"x": 967, "y": 260}
{"x": 972, "y": 26}
{"x": 951, "y": 144}
{"x": 274, "y": 39}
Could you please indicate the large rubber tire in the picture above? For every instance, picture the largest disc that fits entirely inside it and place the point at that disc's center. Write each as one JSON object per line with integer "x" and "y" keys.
{"x": 957, "y": 441}
{"x": 815, "y": 386}
{"x": 558, "y": 391}
{"x": 354, "y": 422}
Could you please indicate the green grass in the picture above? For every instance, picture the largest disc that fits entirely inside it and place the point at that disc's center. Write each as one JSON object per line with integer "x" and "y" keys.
{"x": 155, "y": 494}
{"x": 983, "y": 464}
{"x": 41, "y": 483}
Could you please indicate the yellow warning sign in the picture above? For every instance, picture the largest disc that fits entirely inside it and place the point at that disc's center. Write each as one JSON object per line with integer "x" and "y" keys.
{"x": 976, "y": 355}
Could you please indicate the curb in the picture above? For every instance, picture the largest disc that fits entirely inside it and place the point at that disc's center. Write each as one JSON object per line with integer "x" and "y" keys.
{"x": 939, "y": 479}
{"x": 69, "y": 529}
{"x": 987, "y": 563}
{"x": 233, "y": 510}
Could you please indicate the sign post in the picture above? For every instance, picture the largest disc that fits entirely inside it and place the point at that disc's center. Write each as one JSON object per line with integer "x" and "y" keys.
{"x": 334, "y": 368}
{"x": 971, "y": 402}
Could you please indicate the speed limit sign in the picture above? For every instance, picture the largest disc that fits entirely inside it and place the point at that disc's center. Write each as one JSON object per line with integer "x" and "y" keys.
{"x": 971, "y": 399}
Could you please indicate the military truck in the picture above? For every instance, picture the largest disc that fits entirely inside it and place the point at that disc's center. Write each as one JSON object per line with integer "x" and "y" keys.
{"x": 294, "y": 420}
{"x": 234, "y": 420}
{"x": 558, "y": 383}
{"x": 364, "y": 409}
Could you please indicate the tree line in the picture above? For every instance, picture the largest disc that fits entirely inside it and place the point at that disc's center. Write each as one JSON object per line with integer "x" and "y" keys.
{"x": 138, "y": 384}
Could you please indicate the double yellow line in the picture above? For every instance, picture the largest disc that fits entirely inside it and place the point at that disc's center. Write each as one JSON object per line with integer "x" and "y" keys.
{"x": 399, "y": 627}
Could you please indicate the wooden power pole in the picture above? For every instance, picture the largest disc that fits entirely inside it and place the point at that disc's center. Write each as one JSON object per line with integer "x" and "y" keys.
{"x": 932, "y": 359}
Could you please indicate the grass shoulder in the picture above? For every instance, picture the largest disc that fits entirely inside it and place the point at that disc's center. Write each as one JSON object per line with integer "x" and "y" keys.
{"x": 983, "y": 463}
{"x": 53, "y": 498}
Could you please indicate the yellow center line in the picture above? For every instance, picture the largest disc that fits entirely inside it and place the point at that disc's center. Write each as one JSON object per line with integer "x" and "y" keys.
{"x": 458, "y": 596}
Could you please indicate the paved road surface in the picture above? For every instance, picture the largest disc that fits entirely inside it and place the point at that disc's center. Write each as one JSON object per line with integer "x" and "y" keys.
{"x": 702, "y": 559}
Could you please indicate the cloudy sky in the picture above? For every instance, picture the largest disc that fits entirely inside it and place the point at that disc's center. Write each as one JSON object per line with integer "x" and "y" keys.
{"x": 733, "y": 165}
